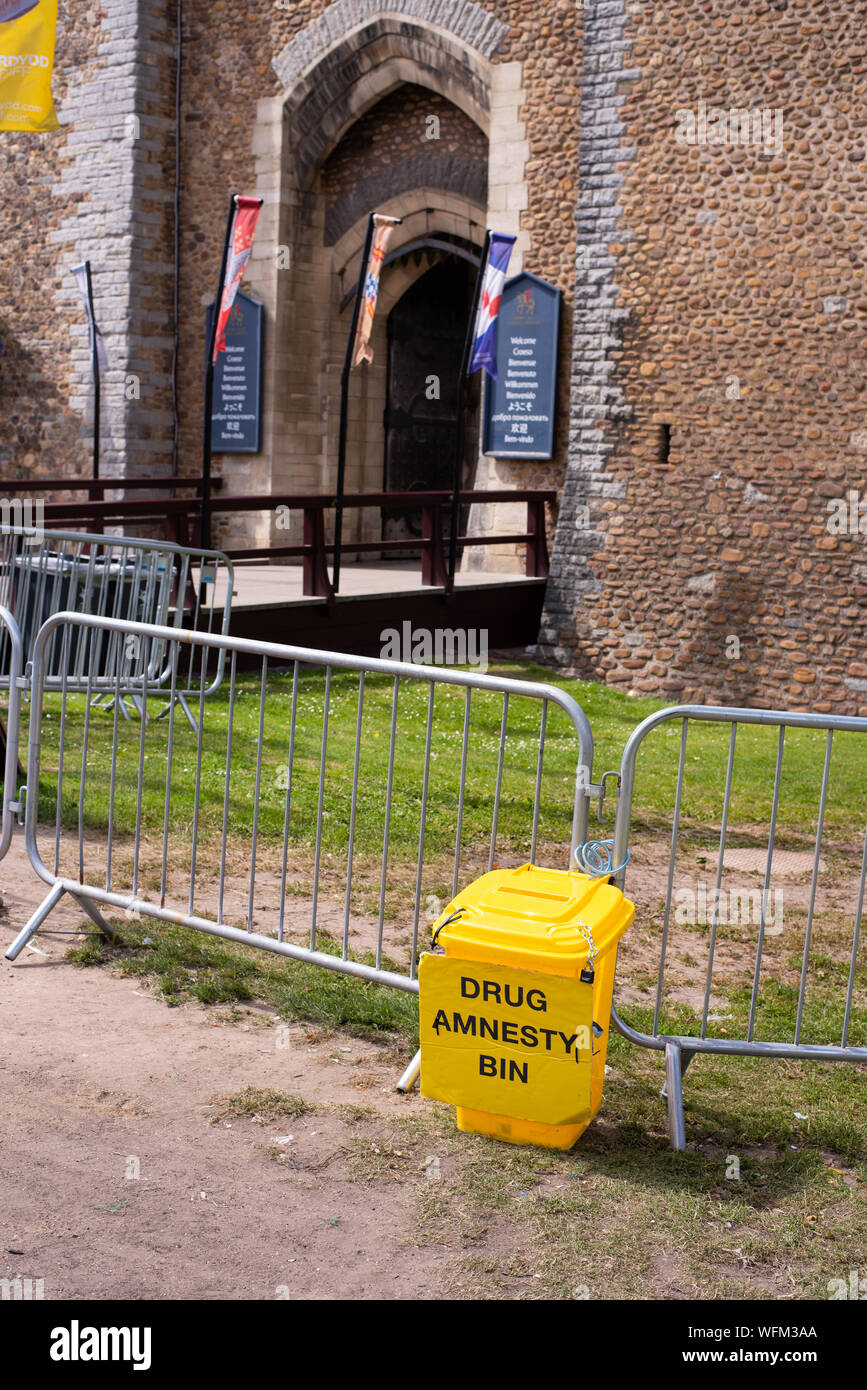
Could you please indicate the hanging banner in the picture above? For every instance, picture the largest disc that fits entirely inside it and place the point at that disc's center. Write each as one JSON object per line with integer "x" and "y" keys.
{"x": 85, "y": 289}
{"x": 240, "y": 245}
{"x": 384, "y": 226}
{"x": 27, "y": 32}
{"x": 484, "y": 342}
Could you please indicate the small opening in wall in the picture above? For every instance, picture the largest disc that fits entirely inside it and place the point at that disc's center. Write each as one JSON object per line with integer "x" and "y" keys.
{"x": 663, "y": 452}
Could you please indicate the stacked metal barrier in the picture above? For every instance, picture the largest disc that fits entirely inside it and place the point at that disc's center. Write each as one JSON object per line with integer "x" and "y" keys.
{"x": 121, "y": 577}
{"x": 9, "y": 806}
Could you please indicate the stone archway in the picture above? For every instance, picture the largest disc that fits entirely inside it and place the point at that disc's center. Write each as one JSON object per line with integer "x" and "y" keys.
{"x": 442, "y": 218}
{"x": 335, "y": 72}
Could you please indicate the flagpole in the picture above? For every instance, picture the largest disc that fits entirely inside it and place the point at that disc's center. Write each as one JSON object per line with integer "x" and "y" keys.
{"x": 459, "y": 441}
{"x": 205, "y": 540}
{"x": 344, "y": 403}
{"x": 94, "y": 369}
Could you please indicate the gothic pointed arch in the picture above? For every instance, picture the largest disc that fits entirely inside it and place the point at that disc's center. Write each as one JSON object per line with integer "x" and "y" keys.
{"x": 347, "y": 66}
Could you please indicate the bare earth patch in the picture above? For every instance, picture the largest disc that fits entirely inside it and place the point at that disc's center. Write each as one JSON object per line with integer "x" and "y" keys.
{"x": 100, "y": 1073}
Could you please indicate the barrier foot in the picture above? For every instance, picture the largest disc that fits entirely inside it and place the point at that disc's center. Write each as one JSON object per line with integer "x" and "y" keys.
{"x": 94, "y": 914}
{"x": 674, "y": 1069}
{"x": 110, "y": 704}
{"x": 685, "y": 1059}
{"x": 167, "y": 710}
{"x": 194, "y": 723}
{"x": 35, "y": 922}
{"x": 411, "y": 1075}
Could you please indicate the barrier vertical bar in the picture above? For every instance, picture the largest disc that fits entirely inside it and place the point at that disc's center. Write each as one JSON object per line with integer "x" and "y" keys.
{"x": 714, "y": 925}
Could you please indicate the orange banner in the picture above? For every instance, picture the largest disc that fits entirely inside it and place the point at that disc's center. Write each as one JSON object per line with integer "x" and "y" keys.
{"x": 384, "y": 227}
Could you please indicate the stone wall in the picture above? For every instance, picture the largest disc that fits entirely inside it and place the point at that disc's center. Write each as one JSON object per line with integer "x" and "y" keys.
{"x": 100, "y": 189}
{"x": 712, "y": 402}
{"x": 718, "y": 401}
{"x": 411, "y": 139}
{"x": 238, "y": 69}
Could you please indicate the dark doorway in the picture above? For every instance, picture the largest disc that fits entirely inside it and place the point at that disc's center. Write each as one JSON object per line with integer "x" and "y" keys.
{"x": 426, "y": 331}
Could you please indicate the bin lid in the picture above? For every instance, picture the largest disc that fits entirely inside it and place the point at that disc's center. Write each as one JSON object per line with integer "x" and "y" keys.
{"x": 540, "y": 919}
{"x": 50, "y": 562}
{"x": 55, "y": 562}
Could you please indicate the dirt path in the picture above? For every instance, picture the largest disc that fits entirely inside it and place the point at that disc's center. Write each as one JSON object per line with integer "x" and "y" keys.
{"x": 98, "y": 1072}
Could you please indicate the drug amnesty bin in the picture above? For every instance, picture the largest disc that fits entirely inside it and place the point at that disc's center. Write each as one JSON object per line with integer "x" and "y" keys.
{"x": 514, "y": 1017}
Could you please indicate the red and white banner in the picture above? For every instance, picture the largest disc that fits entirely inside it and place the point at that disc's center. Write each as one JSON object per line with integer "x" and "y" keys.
{"x": 240, "y": 245}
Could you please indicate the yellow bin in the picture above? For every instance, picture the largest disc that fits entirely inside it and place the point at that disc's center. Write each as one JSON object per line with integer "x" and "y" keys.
{"x": 514, "y": 1017}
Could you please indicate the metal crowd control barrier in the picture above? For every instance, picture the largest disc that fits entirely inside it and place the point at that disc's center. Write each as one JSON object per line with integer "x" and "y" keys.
{"x": 121, "y": 577}
{"x": 680, "y": 1048}
{"x": 9, "y": 807}
{"x": 209, "y": 826}
{"x": 276, "y": 774}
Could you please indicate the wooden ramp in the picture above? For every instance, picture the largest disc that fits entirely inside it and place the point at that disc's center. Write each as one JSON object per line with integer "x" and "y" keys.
{"x": 269, "y": 606}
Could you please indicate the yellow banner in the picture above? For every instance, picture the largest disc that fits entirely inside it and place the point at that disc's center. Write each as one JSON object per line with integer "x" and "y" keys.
{"x": 27, "y": 32}
{"x": 509, "y": 1042}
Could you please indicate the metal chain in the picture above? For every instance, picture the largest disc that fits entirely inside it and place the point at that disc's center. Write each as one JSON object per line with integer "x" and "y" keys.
{"x": 587, "y": 934}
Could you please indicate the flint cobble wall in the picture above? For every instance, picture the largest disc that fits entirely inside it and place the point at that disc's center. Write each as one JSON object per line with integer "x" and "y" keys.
{"x": 41, "y": 349}
{"x": 718, "y": 404}
{"x": 411, "y": 139}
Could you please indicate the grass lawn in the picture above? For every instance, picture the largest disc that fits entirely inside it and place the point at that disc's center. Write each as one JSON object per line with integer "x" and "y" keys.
{"x": 612, "y": 717}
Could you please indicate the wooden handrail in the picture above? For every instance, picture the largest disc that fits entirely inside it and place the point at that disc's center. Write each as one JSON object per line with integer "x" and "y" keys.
{"x": 181, "y": 517}
{"x": 144, "y": 506}
{"x": 101, "y": 485}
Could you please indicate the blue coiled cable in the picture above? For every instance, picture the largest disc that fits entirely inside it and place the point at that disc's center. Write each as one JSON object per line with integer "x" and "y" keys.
{"x": 596, "y": 857}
